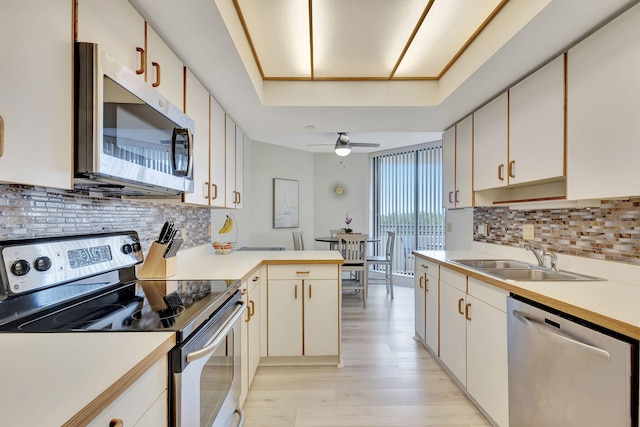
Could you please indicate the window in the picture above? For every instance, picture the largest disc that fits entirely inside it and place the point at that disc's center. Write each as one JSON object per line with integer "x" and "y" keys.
{"x": 406, "y": 197}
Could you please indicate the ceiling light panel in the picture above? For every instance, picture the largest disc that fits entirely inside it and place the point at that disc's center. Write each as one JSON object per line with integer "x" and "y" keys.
{"x": 361, "y": 38}
{"x": 444, "y": 32}
{"x": 279, "y": 31}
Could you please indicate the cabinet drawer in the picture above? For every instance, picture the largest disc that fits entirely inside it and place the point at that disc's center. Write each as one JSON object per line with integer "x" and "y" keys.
{"x": 431, "y": 268}
{"x": 254, "y": 279}
{"x": 453, "y": 278}
{"x": 303, "y": 271}
{"x": 493, "y": 296}
{"x": 131, "y": 405}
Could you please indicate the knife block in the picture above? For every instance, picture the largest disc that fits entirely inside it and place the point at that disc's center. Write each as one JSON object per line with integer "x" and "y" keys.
{"x": 156, "y": 266}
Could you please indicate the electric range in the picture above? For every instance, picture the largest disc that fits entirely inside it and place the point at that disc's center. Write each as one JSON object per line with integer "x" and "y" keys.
{"x": 88, "y": 283}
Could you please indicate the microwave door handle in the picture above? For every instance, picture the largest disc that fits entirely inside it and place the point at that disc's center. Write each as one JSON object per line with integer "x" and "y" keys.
{"x": 189, "y": 145}
{"x": 211, "y": 347}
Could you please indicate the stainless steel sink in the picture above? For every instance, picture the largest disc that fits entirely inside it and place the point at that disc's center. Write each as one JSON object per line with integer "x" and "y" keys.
{"x": 490, "y": 263}
{"x": 538, "y": 274}
{"x": 509, "y": 269}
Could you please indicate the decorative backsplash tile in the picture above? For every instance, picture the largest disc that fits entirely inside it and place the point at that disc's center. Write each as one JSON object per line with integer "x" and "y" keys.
{"x": 610, "y": 232}
{"x": 28, "y": 212}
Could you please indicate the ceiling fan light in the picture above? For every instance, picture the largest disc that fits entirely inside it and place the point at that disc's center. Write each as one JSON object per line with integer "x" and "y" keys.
{"x": 343, "y": 150}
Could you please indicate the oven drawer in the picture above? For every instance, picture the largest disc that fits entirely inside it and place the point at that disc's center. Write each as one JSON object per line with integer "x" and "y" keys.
{"x": 148, "y": 392}
{"x": 303, "y": 271}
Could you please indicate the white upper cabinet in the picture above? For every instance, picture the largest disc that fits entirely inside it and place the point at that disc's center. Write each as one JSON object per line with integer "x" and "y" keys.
{"x": 457, "y": 164}
{"x": 116, "y": 26}
{"x": 197, "y": 107}
{"x": 165, "y": 71}
{"x": 490, "y": 139}
{"x": 603, "y": 101}
{"x": 36, "y": 105}
{"x": 536, "y": 125}
{"x": 217, "y": 154}
{"x": 449, "y": 167}
{"x": 234, "y": 155}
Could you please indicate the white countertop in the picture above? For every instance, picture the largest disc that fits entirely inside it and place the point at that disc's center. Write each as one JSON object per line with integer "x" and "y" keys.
{"x": 47, "y": 378}
{"x": 202, "y": 263}
{"x": 613, "y": 303}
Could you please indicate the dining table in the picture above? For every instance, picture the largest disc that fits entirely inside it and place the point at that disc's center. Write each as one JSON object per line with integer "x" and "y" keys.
{"x": 333, "y": 240}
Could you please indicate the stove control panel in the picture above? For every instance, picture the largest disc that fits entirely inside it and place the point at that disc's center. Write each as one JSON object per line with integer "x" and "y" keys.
{"x": 28, "y": 265}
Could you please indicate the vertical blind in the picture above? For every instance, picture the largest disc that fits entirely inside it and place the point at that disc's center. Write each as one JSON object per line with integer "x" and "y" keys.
{"x": 406, "y": 196}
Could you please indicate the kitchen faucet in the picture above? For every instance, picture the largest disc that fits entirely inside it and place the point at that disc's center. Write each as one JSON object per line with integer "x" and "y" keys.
{"x": 541, "y": 254}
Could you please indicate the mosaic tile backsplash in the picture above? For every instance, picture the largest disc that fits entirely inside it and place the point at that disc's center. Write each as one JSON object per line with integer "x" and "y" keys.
{"x": 610, "y": 232}
{"x": 28, "y": 212}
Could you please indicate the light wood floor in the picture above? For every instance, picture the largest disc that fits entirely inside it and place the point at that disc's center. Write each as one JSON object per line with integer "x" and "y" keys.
{"x": 388, "y": 379}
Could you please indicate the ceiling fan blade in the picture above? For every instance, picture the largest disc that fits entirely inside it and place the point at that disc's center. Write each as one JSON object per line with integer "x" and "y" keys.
{"x": 364, "y": 144}
{"x": 320, "y": 145}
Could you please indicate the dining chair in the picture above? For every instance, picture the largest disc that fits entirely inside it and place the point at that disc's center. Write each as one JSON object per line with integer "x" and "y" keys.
{"x": 385, "y": 260}
{"x": 353, "y": 248}
{"x": 333, "y": 234}
{"x": 298, "y": 243}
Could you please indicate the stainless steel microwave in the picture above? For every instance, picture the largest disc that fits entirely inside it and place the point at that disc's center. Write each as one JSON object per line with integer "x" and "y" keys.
{"x": 129, "y": 139}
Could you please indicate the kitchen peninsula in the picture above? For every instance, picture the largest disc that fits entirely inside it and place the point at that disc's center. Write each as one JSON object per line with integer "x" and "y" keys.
{"x": 87, "y": 378}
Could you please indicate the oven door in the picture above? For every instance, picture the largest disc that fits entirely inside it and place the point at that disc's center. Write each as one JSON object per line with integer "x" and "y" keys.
{"x": 206, "y": 372}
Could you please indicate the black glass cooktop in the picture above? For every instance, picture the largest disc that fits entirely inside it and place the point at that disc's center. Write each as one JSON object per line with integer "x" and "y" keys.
{"x": 173, "y": 305}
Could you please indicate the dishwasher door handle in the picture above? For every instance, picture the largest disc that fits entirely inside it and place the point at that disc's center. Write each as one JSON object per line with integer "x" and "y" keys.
{"x": 531, "y": 323}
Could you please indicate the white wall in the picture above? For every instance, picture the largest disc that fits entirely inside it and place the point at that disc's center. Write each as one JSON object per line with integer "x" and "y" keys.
{"x": 352, "y": 174}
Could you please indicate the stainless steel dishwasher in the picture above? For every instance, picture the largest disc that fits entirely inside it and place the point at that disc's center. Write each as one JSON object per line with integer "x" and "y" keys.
{"x": 564, "y": 371}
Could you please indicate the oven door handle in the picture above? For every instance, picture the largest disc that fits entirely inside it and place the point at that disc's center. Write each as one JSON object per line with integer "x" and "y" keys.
{"x": 205, "y": 351}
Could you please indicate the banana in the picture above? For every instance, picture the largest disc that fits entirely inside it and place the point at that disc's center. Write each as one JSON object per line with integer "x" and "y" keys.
{"x": 227, "y": 226}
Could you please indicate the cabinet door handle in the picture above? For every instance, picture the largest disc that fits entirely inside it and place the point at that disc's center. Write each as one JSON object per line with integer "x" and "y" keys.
{"x": 309, "y": 291}
{"x": 467, "y": 311}
{"x": 424, "y": 266}
{"x": 501, "y": 172}
{"x": 255, "y": 279}
{"x": 116, "y": 422}
{"x": 512, "y": 169}
{"x": 303, "y": 272}
{"x": 457, "y": 193}
{"x": 238, "y": 197}
{"x": 420, "y": 282}
{"x": 143, "y": 60}
{"x": 295, "y": 292}
{"x": 215, "y": 191}
{"x": 205, "y": 190}
{"x": 460, "y": 301}
{"x": 253, "y": 308}
{"x": 157, "y": 67}
{"x": 450, "y": 196}
{"x": 1, "y": 136}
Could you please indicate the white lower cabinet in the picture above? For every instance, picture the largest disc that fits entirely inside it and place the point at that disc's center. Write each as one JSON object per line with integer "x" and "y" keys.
{"x": 250, "y": 352}
{"x": 303, "y": 310}
{"x": 487, "y": 361}
{"x": 426, "y": 279}
{"x": 473, "y": 340}
{"x": 143, "y": 404}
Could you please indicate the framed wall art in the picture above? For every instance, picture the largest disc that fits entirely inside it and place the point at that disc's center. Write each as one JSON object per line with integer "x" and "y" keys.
{"x": 285, "y": 203}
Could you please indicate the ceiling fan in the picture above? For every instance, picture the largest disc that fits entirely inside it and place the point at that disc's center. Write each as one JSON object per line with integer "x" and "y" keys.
{"x": 343, "y": 144}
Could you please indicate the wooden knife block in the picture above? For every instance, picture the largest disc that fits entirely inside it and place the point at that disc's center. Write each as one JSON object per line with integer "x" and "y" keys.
{"x": 156, "y": 266}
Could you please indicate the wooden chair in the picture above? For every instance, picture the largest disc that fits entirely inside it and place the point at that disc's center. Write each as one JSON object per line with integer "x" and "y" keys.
{"x": 353, "y": 248}
{"x": 298, "y": 243}
{"x": 333, "y": 233}
{"x": 386, "y": 260}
